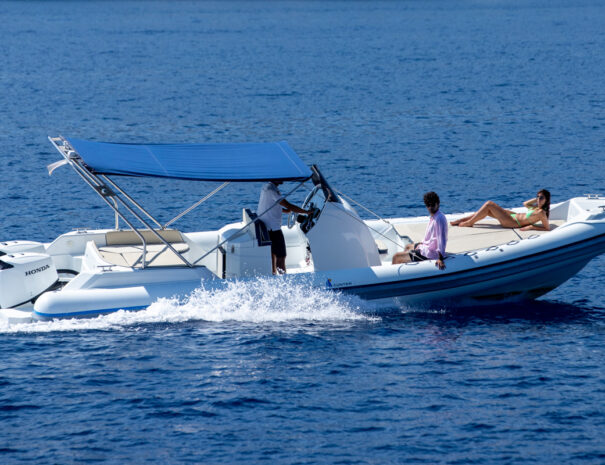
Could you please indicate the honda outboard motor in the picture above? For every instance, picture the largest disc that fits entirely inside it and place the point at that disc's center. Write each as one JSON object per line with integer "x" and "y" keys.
{"x": 9, "y": 247}
{"x": 24, "y": 276}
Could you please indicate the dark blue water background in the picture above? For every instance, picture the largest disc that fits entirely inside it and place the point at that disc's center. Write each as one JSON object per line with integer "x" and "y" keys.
{"x": 475, "y": 99}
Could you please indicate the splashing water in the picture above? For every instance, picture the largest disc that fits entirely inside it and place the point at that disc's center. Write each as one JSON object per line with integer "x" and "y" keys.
{"x": 261, "y": 300}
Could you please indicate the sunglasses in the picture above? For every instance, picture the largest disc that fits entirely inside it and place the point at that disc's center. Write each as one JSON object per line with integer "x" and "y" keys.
{"x": 540, "y": 197}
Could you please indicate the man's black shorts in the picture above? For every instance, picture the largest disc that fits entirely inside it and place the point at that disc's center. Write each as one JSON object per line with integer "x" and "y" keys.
{"x": 416, "y": 256}
{"x": 278, "y": 243}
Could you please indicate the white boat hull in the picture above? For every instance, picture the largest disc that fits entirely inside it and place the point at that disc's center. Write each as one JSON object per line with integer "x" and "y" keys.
{"x": 516, "y": 270}
{"x": 511, "y": 271}
{"x": 78, "y": 303}
{"x": 467, "y": 281}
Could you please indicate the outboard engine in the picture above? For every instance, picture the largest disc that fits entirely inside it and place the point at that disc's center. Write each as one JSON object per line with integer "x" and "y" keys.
{"x": 9, "y": 247}
{"x": 24, "y": 276}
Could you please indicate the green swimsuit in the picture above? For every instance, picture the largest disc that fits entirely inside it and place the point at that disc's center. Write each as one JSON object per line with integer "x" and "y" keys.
{"x": 529, "y": 212}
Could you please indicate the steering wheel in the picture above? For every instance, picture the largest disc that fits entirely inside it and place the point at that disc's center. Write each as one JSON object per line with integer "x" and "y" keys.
{"x": 307, "y": 203}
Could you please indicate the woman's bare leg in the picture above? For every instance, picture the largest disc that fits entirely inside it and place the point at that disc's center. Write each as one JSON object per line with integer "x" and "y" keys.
{"x": 466, "y": 218}
{"x": 493, "y": 210}
{"x": 479, "y": 215}
{"x": 460, "y": 220}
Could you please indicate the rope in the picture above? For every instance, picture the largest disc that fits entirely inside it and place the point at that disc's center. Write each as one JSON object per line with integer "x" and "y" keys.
{"x": 195, "y": 205}
{"x": 365, "y": 208}
{"x": 369, "y": 227}
{"x": 412, "y": 252}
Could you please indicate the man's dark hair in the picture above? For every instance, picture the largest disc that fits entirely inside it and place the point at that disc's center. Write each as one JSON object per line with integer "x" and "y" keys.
{"x": 431, "y": 198}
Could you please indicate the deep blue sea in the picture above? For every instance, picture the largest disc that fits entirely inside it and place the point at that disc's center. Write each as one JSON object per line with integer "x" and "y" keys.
{"x": 477, "y": 100}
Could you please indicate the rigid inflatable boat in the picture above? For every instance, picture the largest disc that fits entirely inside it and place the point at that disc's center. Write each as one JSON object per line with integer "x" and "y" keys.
{"x": 91, "y": 272}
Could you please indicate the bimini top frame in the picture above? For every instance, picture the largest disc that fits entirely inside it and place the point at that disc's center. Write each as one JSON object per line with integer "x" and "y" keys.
{"x": 94, "y": 161}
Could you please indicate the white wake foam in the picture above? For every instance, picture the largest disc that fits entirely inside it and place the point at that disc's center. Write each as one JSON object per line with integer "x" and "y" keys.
{"x": 257, "y": 301}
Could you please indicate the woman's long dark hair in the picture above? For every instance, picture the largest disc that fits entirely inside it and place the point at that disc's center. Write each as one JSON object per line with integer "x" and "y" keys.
{"x": 546, "y": 206}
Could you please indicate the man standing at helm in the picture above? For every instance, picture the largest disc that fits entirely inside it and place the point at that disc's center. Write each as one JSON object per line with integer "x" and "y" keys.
{"x": 271, "y": 205}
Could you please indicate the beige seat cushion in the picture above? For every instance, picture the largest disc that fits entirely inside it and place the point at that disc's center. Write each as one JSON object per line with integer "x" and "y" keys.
{"x": 129, "y": 237}
{"x": 483, "y": 234}
{"x": 132, "y": 255}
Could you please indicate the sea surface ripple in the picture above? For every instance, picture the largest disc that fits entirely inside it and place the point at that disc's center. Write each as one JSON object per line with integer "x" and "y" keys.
{"x": 475, "y": 99}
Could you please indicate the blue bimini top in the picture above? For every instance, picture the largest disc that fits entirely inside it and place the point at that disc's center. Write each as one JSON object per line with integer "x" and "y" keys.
{"x": 198, "y": 162}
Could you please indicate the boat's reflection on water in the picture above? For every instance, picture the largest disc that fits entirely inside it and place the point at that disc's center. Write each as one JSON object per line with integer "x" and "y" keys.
{"x": 538, "y": 311}
{"x": 493, "y": 331}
